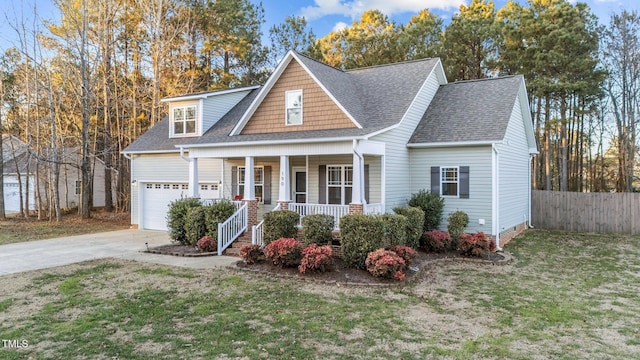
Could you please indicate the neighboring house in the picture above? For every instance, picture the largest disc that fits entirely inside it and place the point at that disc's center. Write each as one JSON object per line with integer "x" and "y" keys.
{"x": 318, "y": 139}
{"x": 69, "y": 183}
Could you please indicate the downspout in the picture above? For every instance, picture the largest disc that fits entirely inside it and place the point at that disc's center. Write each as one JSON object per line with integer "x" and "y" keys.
{"x": 531, "y": 156}
{"x": 360, "y": 170}
{"x": 497, "y": 196}
{"x": 185, "y": 158}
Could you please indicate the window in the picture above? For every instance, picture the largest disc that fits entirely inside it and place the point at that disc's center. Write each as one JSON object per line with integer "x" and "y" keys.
{"x": 449, "y": 181}
{"x": 184, "y": 120}
{"x": 258, "y": 175}
{"x": 294, "y": 107}
{"x": 78, "y": 187}
{"x": 339, "y": 184}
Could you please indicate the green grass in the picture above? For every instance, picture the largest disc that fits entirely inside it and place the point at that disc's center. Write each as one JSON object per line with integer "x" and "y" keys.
{"x": 568, "y": 296}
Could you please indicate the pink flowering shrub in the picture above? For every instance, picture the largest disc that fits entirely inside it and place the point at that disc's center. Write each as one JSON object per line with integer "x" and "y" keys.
{"x": 207, "y": 244}
{"x": 251, "y": 254}
{"x": 475, "y": 244}
{"x": 385, "y": 264}
{"x": 284, "y": 252}
{"x": 437, "y": 241}
{"x": 406, "y": 253}
{"x": 316, "y": 258}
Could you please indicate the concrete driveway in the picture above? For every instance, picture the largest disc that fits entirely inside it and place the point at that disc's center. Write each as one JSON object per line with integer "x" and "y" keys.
{"x": 124, "y": 244}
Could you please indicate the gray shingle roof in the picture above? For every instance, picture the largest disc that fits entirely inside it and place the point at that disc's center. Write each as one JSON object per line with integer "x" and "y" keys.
{"x": 474, "y": 110}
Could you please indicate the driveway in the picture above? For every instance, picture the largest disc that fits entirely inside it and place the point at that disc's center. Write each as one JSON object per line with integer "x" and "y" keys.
{"x": 124, "y": 244}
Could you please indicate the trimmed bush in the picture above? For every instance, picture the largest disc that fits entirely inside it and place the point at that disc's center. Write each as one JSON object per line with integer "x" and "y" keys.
{"x": 316, "y": 258}
{"x": 218, "y": 213}
{"x": 251, "y": 254}
{"x": 317, "y": 228}
{"x": 395, "y": 229}
{"x": 458, "y": 221}
{"x": 360, "y": 235}
{"x": 280, "y": 224}
{"x": 195, "y": 226}
{"x": 207, "y": 244}
{"x": 415, "y": 218}
{"x": 176, "y": 218}
{"x": 432, "y": 204}
{"x": 475, "y": 244}
{"x": 284, "y": 252}
{"x": 406, "y": 253}
{"x": 385, "y": 264}
{"x": 437, "y": 241}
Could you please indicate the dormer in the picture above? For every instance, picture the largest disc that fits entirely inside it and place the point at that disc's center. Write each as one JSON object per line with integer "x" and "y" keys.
{"x": 193, "y": 114}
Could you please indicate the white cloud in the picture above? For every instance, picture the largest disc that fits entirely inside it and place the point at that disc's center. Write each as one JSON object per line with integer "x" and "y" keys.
{"x": 354, "y": 8}
{"x": 339, "y": 26}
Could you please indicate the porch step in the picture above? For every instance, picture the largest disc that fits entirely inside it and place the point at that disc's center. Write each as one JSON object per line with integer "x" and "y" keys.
{"x": 234, "y": 249}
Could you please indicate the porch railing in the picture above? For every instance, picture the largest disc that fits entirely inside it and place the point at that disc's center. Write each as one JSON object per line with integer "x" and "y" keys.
{"x": 257, "y": 231}
{"x": 337, "y": 211}
{"x": 229, "y": 230}
{"x": 374, "y": 209}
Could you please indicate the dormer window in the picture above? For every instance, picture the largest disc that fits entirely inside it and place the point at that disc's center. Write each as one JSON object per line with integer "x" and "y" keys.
{"x": 294, "y": 107}
{"x": 184, "y": 120}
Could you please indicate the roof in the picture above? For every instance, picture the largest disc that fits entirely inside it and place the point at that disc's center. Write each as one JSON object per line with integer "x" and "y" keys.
{"x": 14, "y": 149}
{"x": 206, "y": 94}
{"x": 469, "y": 111}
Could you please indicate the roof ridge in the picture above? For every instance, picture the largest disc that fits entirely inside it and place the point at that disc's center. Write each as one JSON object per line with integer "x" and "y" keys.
{"x": 485, "y": 79}
{"x": 318, "y": 61}
{"x": 391, "y": 64}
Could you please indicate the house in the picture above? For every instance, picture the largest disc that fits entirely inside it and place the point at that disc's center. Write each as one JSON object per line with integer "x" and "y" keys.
{"x": 314, "y": 138}
{"x": 18, "y": 158}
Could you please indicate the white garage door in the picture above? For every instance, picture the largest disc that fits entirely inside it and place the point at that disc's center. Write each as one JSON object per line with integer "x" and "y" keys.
{"x": 11, "y": 197}
{"x": 156, "y": 198}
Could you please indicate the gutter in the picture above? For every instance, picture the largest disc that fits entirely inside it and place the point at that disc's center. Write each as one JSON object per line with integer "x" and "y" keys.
{"x": 454, "y": 143}
{"x": 272, "y": 142}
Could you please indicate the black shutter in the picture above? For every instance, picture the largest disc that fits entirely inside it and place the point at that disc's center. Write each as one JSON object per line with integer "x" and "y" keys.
{"x": 464, "y": 182}
{"x": 234, "y": 181}
{"x": 322, "y": 184}
{"x": 266, "y": 190}
{"x": 435, "y": 179}
{"x": 366, "y": 183}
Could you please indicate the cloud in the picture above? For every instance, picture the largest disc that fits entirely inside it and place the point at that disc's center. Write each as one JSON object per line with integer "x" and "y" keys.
{"x": 339, "y": 26}
{"x": 355, "y": 8}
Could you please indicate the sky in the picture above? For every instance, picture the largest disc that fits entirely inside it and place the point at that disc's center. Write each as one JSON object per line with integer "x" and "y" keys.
{"x": 323, "y": 15}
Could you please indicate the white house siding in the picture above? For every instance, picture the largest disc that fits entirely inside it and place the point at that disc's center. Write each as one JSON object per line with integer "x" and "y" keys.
{"x": 12, "y": 192}
{"x": 215, "y": 107}
{"x": 168, "y": 168}
{"x": 478, "y": 158}
{"x": 514, "y": 186}
{"x": 397, "y": 154}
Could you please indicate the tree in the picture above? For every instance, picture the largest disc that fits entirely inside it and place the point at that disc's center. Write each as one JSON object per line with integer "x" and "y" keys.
{"x": 291, "y": 35}
{"x": 422, "y": 36}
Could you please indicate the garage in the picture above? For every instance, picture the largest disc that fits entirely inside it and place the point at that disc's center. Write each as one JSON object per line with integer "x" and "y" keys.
{"x": 157, "y": 196}
{"x": 12, "y": 193}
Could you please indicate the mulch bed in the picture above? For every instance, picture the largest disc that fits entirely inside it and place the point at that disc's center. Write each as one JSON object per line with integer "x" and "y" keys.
{"x": 179, "y": 250}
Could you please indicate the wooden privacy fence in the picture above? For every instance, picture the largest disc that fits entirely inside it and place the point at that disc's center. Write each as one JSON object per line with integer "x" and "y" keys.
{"x": 587, "y": 212}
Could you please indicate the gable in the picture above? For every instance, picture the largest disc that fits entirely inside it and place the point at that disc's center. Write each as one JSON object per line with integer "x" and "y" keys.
{"x": 319, "y": 111}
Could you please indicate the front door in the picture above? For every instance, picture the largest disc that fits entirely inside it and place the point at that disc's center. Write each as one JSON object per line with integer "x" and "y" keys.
{"x": 299, "y": 185}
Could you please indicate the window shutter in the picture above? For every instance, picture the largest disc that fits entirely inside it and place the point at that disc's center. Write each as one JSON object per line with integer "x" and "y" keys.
{"x": 435, "y": 179}
{"x": 464, "y": 182}
{"x": 266, "y": 191}
{"x": 234, "y": 181}
{"x": 366, "y": 183}
{"x": 322, "y": 184}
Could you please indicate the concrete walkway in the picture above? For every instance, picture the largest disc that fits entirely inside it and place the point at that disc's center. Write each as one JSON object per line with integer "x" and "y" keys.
{"x": 123, "y": 244}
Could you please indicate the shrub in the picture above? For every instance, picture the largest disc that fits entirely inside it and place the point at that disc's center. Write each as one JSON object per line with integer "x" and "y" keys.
{"x": 176, "y": 218}
{"x": 360, "y": 235}
{"x": 432, "y": 204}
{"x": 458, "y": 221}
{"x": 316, "y": 258}
{"x": 385, "y": 264}
{"x": 317, "y": 228}
{"x": 406, "y": 253}
{"x": 284, "y": 252}
{"x": 475, "y": 244}
{"x": 395, "y": 229}
{"x": 415, "y": 218}
{"x": 217, "y": 213}
{"x": 207, "y": 244}
{"x": 251, "y": 254}
{"x": 280, "y": 224}
{"x": 195, "y": 226}
{"x": 437, "y": 241}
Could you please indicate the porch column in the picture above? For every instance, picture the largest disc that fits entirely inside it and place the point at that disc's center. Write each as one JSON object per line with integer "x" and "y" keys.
{"x": 284, "y": 196}
{"x": 193, "y": 178}
{"x": 358, "y": 179}
{"x": 249, "y": 179}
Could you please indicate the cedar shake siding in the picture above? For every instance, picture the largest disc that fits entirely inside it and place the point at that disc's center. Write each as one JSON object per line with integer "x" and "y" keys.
{"x": 319, "y": 112}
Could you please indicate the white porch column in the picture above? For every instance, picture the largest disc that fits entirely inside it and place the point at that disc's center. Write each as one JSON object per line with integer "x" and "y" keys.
{"x": 193, "y": 178}
{"x": 285, "y": 180}
{"x": 358, "y": 179}
{"x": 249, "y": 179}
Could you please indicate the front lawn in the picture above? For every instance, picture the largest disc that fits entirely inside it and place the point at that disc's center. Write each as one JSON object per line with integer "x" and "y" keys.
{"x": 567, "y": 296}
